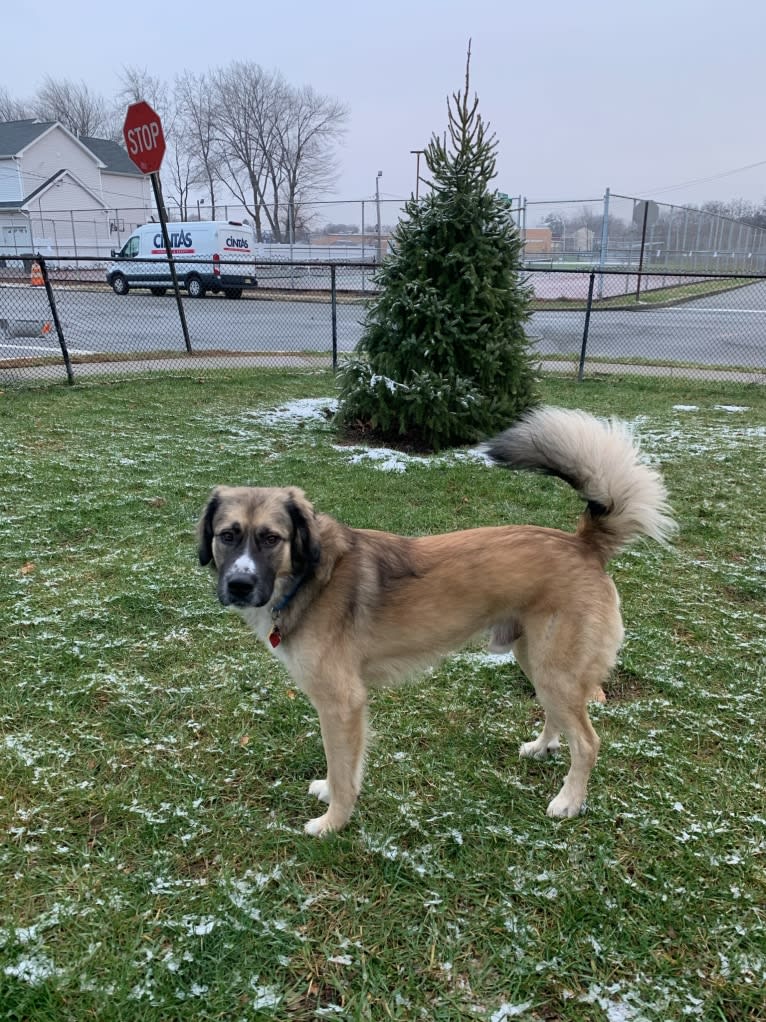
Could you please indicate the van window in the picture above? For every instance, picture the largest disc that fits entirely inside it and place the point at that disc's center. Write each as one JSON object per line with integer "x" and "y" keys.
{"x": 130, "y": 249}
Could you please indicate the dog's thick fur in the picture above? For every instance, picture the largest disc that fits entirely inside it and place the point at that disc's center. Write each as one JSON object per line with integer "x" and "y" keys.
{"x": 348, "y": 609}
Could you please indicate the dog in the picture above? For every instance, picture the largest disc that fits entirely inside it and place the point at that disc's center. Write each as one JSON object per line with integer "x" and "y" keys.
{"x": 347, "y": 610}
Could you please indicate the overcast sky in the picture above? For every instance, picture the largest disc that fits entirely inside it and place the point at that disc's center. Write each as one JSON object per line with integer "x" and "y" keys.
{"x": 644, "y": 97}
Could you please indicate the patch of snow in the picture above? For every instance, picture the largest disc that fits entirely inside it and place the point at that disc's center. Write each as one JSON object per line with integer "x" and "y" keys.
{"x": 384, "y": 459}
{"x": 300, "y": 410}
{"x": 33, "y": 970}
{"x": 391, "y": 385}
{"x": 484, "y": 659}
{"x": 266, "y": 997}
{"x": 510, "y": 1011}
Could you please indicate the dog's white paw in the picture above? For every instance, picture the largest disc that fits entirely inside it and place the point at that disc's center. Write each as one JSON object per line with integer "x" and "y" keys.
{"x": 564, "y": 807}
{"x": 319, "y": 826}
{"x": 321, "y": 789}
{"x": 538, "y": 749}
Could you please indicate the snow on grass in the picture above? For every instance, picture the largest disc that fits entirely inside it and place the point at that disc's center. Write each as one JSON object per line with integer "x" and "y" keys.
{"x": 382, "y": 458}
{"x": 303, "y": 410}
{"x": 294, "y": 417}
{"x": 510, "y": 1011}
{"x": 478, "y": 659}
{"x": 677, "y": 441}
{"x": 33, "y": 969}
{"x": 386, "y": 459}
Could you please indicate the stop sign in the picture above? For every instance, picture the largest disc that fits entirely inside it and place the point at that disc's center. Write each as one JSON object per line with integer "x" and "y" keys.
{"x": 144, "y": 137}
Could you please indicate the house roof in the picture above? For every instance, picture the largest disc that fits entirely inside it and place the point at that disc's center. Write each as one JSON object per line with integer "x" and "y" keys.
{"x": 112, "y": 155}
{"x": 15, "y": 136}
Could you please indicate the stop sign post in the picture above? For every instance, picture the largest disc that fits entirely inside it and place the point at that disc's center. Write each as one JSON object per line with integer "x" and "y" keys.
{"x": 145, "y": 142}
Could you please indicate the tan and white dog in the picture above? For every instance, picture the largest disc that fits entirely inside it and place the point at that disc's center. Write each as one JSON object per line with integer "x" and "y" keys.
{"x": 346, "y": 609}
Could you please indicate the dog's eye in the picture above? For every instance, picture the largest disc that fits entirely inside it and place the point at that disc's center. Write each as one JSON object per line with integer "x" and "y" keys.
{"x": 271, "y": 539}
{"x": 226, "y": 536}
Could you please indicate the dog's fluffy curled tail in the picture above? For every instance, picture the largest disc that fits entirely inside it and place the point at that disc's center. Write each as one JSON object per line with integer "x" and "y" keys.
{"x": 625, "y": 498}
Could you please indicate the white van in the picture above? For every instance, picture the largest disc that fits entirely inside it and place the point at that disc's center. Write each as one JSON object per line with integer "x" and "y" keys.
{"x": 209, "y": 255}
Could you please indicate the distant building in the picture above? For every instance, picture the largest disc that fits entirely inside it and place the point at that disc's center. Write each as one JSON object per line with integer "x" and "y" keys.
{"x": 64, "y": 195}
{"x": 582, "y": 239}
{"x": 537, "y": 240}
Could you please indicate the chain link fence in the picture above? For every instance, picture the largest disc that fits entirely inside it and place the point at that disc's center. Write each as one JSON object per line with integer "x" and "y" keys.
{"x": 610, "y": 231}
{"x": 620, "y": 231}
{"x": 61, "y": 321}
{"x": 318, "y": 228}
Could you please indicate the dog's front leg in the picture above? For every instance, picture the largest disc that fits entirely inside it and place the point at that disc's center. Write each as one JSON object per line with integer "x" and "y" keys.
{"x": 344, "y": 732}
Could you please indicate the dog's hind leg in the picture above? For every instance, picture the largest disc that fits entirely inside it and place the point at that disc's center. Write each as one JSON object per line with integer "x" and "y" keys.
{"x": 344, "y": 735}
{"x": 564, "y": 697}
{"x": 583, "y": 744}
{"x": 565, "y": 710}
{"x": 548, "y": 741}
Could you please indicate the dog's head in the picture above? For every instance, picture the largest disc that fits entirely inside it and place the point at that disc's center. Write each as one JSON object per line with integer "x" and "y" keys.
{"x": 256, "y": 538}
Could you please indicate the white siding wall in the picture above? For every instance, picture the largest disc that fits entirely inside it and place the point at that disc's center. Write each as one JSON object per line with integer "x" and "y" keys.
{"x": 57, "y": 150}
{"x": 65, "y": 221}
{"x": 130, "y": 194}
{"x": 10, "y": 181}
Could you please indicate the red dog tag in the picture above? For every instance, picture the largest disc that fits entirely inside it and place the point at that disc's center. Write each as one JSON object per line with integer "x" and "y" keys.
{"x": 275, "y": 637}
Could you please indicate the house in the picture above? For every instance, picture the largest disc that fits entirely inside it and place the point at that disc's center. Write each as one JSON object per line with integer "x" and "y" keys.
{"x": 66, "y": 196}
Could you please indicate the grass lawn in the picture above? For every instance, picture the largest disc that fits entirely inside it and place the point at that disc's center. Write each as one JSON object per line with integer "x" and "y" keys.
{"x": 154, "y": 759}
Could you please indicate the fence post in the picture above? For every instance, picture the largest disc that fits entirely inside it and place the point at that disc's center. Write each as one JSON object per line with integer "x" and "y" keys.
{"x": 586, "y": 328}
{"x": 56, "y": 321}
{"x": 641, "y": 254}
{"x": 604, "y": 244}
{"x": 334, "y": 306}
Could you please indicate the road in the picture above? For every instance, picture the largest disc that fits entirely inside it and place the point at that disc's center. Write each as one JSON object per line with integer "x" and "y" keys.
{"x": 728, "y": 328}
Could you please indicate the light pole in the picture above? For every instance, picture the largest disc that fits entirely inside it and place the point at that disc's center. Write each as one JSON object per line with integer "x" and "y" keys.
{"x": 417, "y": 153}
{"x": 377, "y": 207}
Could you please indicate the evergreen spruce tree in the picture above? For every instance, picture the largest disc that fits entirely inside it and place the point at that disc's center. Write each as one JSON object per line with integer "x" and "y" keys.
{"x": 444, "y": 356}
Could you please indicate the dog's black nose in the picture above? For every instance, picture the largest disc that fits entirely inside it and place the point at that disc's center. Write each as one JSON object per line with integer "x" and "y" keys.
{"x": 240, "y": 586}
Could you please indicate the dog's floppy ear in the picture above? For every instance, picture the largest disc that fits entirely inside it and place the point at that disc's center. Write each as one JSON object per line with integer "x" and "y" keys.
{"x": 305, "y": 548}
{"x": 205, "y": 529}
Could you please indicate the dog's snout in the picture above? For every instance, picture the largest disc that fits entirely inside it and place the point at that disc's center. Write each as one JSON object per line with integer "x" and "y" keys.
{"x": 241, "y": 586}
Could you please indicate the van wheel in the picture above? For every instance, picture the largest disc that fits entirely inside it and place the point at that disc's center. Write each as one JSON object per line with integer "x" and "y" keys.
{"x": 158, "y": 291}
{"x": 233, "y": 292}
{"x": 195, "y": 287}
{"x": 120, "y": 285}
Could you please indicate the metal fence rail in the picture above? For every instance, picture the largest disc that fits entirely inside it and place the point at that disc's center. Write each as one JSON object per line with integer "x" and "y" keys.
{"x": 60, "y": 321}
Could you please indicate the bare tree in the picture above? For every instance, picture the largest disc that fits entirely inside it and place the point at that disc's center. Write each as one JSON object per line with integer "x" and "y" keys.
{"x": 196, "y": 112}
{"x": 74, "y": 105}
{"x": 275, "y": 144}
{"x": 13, "y": 109}
{"x": 247, "y": 101}
{"x": 180, "y": 168}
{"x": 311, "y": 125}
{"x": 139, "y": 84}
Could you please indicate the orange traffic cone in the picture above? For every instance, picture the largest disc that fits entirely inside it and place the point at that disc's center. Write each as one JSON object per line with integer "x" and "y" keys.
{"x": 36, "y": 277}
